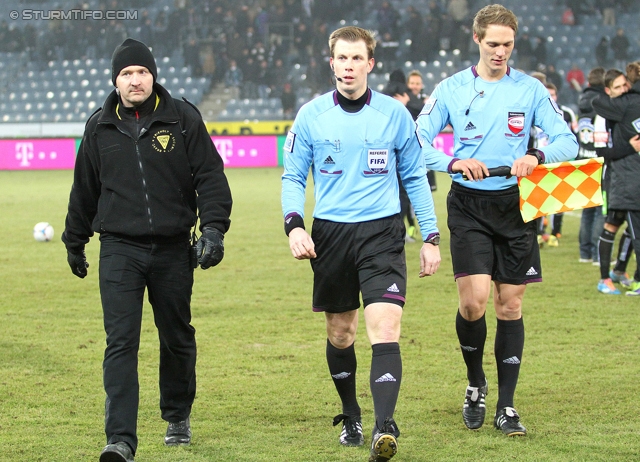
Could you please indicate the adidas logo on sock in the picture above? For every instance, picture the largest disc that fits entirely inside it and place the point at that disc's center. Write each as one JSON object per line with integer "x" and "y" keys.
{"x": 468, "y": 348}
{"x": 386, "y": 378}
{"x": 469, "y": 126}
{"x": 393, "y": 288}
{"x": 329, "y": 161}
{"x": 512, "y": 360}
{"x": 341, "y": 375}
{"x": 532, "y": 272}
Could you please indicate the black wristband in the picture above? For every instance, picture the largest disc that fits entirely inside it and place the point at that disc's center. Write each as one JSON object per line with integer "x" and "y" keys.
{"x": 537, "y": 154}
{"x": 292, "y": 221}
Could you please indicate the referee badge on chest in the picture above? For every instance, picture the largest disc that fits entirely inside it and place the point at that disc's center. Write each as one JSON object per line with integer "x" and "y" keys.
{"x": 377, "y": 161}
{"x": 515, "y": 122}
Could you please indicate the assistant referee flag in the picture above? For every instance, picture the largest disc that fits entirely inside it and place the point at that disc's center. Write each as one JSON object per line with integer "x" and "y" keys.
{"x": 561, "y": 187}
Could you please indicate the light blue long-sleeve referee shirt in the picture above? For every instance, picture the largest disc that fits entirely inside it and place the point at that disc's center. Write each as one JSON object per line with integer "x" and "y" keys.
{"x": 491, "y": 123}
{"x": 354, "y": 158}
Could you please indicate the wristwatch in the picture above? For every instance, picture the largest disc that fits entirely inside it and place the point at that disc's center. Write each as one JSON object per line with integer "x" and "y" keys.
{"x": 538, "y": 154}
{"x": 433, "y": 238}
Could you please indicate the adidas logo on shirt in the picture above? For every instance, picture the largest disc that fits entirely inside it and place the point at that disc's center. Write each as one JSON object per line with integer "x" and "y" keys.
{"x": 329, "y": 161}
{"x": 512, "y": 360}
{"x": 341, "y": 375}
{"x": 469, "y": 126}
{"x": 386, "y": 378}
{"x": 532, "y": 272}
{"x": 393, "y": 288}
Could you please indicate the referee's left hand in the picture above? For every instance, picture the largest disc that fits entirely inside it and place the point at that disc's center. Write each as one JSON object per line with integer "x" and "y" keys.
{"x": 429, "y": 259}
{"x": 524, "y": 166}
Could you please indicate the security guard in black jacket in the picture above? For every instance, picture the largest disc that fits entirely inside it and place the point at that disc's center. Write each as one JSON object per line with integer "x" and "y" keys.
{"x": 146, "y": 170}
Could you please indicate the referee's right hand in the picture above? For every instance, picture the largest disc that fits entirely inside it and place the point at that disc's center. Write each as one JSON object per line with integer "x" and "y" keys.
{"x": 472, "y": 169}
{"x": 301, "y": 244}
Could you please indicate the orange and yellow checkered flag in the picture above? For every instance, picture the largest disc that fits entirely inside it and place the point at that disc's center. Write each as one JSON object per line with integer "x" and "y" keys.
{"x": 560, "y": 187}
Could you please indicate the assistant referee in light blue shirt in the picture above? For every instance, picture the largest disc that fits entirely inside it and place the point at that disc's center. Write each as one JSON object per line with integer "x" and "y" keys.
{"x": 491, "y": 108}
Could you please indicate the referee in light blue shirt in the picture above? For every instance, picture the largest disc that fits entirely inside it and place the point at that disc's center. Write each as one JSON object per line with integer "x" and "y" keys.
{"x": 491, "y": 108}
{"x": 354, "y": 140}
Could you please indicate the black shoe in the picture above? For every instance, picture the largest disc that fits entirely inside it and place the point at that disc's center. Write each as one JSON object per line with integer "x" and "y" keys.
{"x": 178, "y": 433}
{"x": 384, "y": 443}
{"x": 474, "y": 410}
{"x": 508, "y": 420}
{"x": 351, "y": 430}
{"x": 117, "y": 452}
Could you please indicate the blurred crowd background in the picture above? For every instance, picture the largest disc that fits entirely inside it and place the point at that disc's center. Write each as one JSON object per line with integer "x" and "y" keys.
{"x": 274, "y": 53}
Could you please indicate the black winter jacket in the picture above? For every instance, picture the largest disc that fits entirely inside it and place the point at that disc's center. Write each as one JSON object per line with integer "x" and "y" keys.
{"x": 151, "y": 188}
{"x": 624, "y": 167}
{"x": 586, "y": 116}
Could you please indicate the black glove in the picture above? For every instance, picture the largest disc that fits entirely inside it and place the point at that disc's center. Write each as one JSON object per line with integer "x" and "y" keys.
{"x": 210, "y": 247}
{"x": 78, "y": 262}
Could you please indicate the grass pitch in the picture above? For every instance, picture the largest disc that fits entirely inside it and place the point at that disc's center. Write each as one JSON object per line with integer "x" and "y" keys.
{"x": 264, "y": 392}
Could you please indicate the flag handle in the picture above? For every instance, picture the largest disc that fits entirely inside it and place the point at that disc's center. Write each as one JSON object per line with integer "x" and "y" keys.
{"x": 495, "y": 171}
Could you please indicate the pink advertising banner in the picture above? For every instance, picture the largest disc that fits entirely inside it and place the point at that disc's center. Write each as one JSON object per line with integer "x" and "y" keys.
{"x": 236, "y": 151}
{"x": 37, "y": 154}
{"x": 247, "y": 151}
{"x": 444, "y": 143}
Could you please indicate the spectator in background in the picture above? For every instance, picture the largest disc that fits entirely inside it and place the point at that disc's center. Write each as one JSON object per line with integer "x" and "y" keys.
{"x": 387, "y": 17}
{"x": 243, "y": 19}
{"x": 288, "y": 100}
{"x": 279, "y": 75}
{"x": 146, "y": 29}
{"x": 302, "y": 42}
{"x": 388, "y": 47}
{"x": 620, "y": 47}
{"x": 539, "y": 52}
{"x": 602, "y": 51}
{"x": 318, "y": 77}
{"x": 249, "y": 37}
{"x": 192, "y": 56}
{"x": 397, "y": 88}
{"x": 235, "y": 46}
{"x": 233, "y": 79}
{"x": 250, "y": 70}
{"x": 592, "y": 219}
{"x": 414, "y": 26}
{"x": 263, "y": 79}
{"x": 416, "y": 102}
{"x": 458, "y": 12}
{"x": 526, "y": 58}
{"x": 608, "y": 11}
{"x": 576, "y": 80}
{"x": 553, "y": 76}
{"x": 416, "y": 86}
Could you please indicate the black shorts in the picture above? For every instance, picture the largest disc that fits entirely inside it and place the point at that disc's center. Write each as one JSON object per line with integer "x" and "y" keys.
{"x": 615, "y": 217}
{"x": 488, "y": 236}
{"x": 354, "y": 258}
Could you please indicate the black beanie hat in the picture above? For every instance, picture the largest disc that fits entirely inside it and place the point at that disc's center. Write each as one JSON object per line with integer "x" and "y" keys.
{"x": 132, "y": 53}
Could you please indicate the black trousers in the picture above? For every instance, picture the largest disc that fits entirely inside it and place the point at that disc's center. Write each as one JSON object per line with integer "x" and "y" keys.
{"x": 126, "y": 270}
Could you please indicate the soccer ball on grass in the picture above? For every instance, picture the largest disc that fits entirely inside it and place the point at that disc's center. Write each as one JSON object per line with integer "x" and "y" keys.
{"x": 43, "y": 232}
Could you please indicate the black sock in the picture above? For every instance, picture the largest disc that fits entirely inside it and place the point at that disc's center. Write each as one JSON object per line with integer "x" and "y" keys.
{"x": 342, "y": 366}
{"x": 624, "y": 252}
{"x": 472, "y": 335}
{"x": 605, "y": 247}
{"x": 556, "y": 224}
{"x": 386, "y": 375}
{"x": 508, "y": 350}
